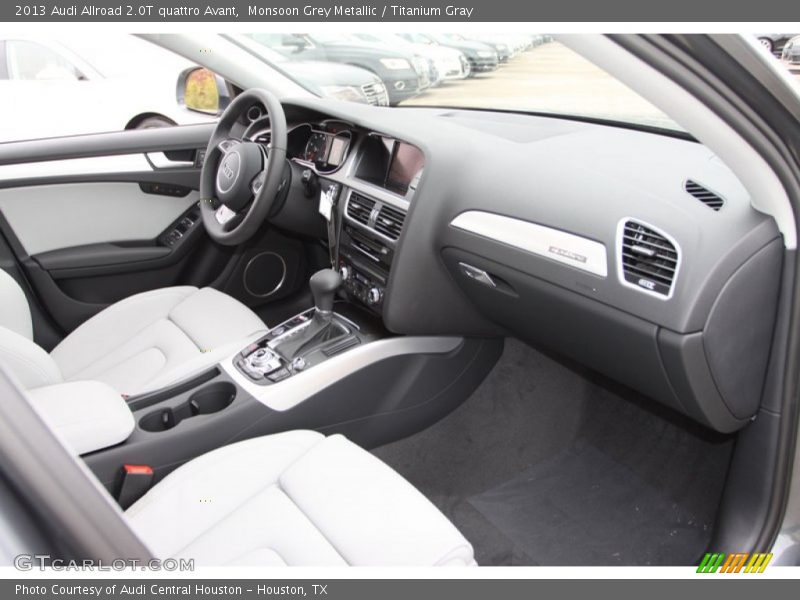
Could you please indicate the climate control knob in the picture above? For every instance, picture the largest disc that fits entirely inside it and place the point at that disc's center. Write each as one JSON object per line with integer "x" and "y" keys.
{"x": 374, "y": 295}
{"x": 344, "y": 271}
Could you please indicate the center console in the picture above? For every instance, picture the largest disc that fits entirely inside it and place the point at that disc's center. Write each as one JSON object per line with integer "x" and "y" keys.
{"x": 298, "y": 345}
{"x": 372, "y": 224}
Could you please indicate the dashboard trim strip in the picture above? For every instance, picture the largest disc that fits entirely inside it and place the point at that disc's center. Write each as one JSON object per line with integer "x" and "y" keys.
{"x": 554, "y": 244}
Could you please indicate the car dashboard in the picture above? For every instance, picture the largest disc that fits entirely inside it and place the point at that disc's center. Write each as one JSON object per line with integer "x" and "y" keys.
{"x": 633, "y": 253}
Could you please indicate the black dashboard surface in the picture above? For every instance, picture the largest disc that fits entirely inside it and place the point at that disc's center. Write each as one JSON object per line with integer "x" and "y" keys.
{"x": 543, "y": 206}
{"x": 574, "y": 177}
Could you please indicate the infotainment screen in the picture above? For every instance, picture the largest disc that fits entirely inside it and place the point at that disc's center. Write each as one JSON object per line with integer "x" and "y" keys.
{"x": 406, "y": 162}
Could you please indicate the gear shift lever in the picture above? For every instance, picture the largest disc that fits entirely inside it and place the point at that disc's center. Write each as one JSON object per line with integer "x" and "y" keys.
{"x": 324, "y": 284}
{"x": 322, "y": 328}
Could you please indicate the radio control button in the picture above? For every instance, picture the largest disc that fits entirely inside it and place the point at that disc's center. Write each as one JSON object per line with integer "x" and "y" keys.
{"x": 374, "y": 295}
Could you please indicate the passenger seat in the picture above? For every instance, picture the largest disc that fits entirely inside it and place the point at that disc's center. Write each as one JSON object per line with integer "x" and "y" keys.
{"x": 294, "y": 498}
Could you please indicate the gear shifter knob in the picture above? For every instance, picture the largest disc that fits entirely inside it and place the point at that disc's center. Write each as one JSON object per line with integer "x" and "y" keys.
{"x": 324, "y": 284}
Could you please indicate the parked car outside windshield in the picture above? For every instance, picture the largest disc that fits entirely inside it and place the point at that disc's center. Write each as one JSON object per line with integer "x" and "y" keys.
{"x": 330, "y": 80}
{"x": 790, "y": 56}
{"x": 402, "y": 74}
{"x": 447, "y": 63}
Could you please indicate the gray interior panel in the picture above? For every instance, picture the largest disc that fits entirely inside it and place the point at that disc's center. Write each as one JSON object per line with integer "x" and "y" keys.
{"x": 52, "y": 217}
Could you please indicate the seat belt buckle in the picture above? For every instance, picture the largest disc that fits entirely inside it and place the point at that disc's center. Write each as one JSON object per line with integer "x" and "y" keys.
{"x": 135, "y": 481}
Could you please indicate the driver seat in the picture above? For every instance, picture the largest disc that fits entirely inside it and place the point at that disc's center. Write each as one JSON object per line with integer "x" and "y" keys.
{"x": 141, "y": 343}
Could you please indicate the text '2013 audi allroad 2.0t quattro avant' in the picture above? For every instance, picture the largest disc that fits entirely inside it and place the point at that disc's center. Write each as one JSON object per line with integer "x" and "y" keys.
{"x": 314, "y": 332}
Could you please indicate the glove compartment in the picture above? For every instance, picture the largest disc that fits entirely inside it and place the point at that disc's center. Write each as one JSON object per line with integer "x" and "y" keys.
{"x": 714, "y": 376}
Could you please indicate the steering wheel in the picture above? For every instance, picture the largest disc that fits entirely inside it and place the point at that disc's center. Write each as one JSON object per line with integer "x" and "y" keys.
{"x": 240, "y": 180}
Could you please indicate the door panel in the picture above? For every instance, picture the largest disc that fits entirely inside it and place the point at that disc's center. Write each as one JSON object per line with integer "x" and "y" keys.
{"x": 51, "y": 217}
{"x": 90, "y": 220}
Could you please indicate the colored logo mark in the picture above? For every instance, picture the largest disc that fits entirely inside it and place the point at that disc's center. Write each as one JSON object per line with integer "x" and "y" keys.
{"x": 742, "y": 562}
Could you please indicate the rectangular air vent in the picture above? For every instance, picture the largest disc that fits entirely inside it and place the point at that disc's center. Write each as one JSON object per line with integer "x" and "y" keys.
{"x": 649, "y": 259}
{"x": 390, "y": 222}
{"x": 359, "y": 208}
{"x": 703, "y": 194}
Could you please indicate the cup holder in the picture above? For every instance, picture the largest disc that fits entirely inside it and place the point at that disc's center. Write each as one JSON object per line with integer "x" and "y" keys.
{"x": 205, "y": 401}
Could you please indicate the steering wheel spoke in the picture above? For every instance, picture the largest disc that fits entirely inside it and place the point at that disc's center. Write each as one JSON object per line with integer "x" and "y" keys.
{"x": 227, "y": 144}
{"x": 224, "y": 215}
{"x": 258, "y": 182}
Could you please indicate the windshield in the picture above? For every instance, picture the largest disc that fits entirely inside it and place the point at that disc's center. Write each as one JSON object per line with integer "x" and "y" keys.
{"x": 543, "y": 77}
{"x": 381, "y": 38}
{"x": 491, "y": 71}
{"x": 418, "y": 38}
{"x": 329, "y": 38}
{"x": 263, "y": 51}
{"x": 109, "y": 81}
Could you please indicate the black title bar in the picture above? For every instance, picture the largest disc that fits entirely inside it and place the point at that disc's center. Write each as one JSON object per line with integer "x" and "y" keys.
{"x": 397, "y": 11}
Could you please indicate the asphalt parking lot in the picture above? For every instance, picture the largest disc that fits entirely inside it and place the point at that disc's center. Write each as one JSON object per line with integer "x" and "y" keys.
{"x": 549, "y": 78}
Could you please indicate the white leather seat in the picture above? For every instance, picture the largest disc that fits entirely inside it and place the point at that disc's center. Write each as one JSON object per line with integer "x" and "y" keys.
{"x": 140, "y": 343}
{"x": 295, "y": 498}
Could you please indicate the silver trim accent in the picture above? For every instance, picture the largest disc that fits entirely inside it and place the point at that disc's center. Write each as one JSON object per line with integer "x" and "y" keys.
{"x": 273, "y": 290}
{"x": 477, "y": 274}
{"x": 562, "y": 247}
{"x": 275, "y": 342}
{"x": 224, "y": 214}
{"x": 94, "y": 165}
{"x": 159, "y": 160}
{"x": 618, "y": 252}
{"x": 295, "y": 390}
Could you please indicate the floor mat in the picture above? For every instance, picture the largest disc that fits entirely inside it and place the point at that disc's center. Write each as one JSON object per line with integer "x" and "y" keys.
{"x": 514, "y": 468}
{"x": 570, "y": 510}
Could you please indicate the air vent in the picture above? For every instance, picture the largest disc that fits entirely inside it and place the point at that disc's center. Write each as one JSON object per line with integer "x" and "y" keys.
{"x": 703, "y": 194}
{"x": 359, "y": 208}
{"x": 649, "y": 259}
{"x": 390, "y": 222}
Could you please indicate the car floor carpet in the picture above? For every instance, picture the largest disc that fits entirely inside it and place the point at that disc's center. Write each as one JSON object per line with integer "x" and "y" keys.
{"x": 550, "y": 464}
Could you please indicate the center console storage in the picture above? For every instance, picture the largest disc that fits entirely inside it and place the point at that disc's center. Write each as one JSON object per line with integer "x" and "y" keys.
{"x": 207, "y": 400}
